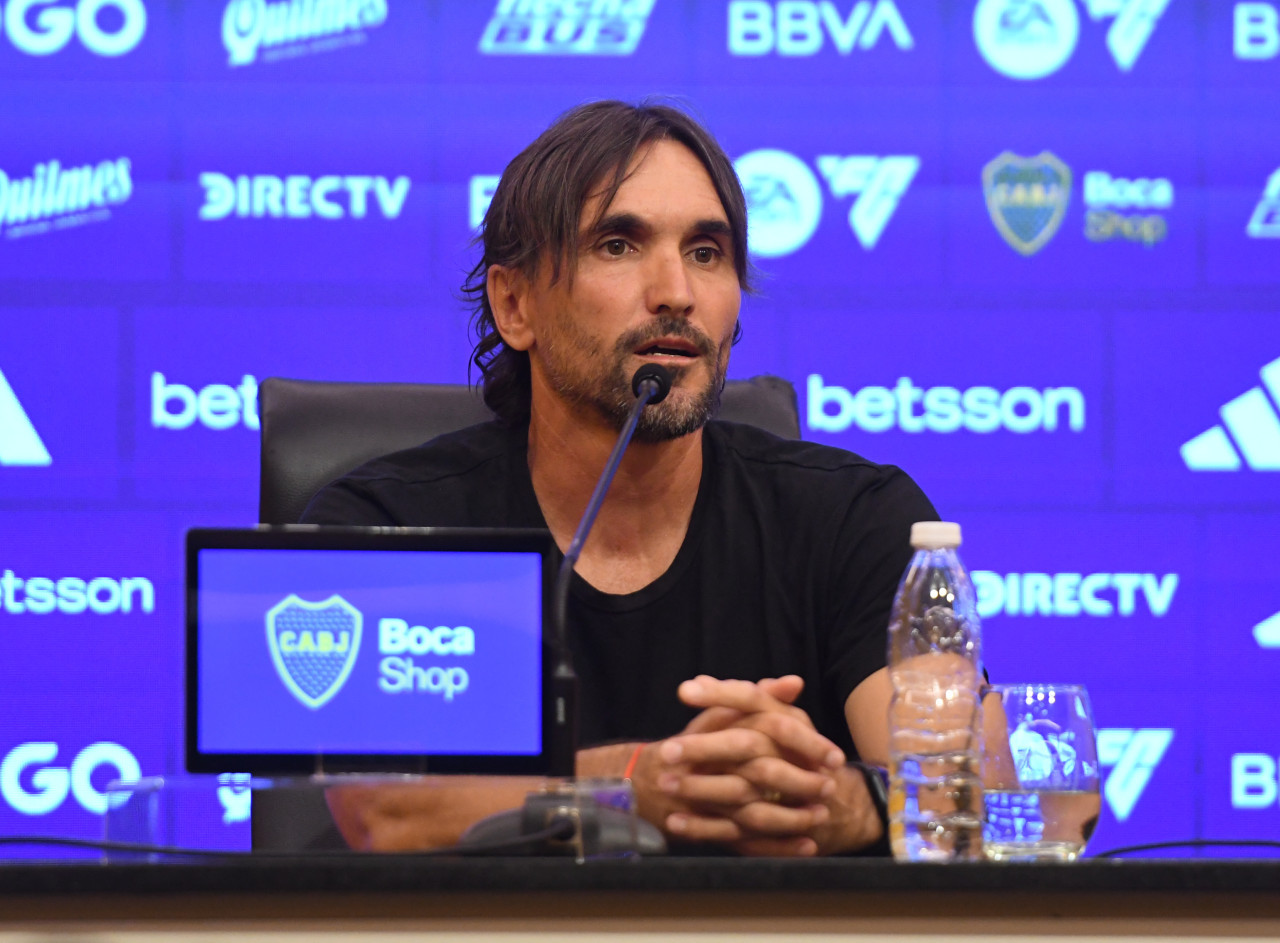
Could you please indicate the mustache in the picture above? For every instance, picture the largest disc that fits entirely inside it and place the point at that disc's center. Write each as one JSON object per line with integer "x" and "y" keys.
{"x": 666, "y": 327}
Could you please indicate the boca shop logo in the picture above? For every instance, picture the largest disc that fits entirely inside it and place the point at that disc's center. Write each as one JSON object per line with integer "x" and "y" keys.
{"x": 1027, "y": 198}
{"x": 56, "y": 197}
{"x": 295, "y": 28}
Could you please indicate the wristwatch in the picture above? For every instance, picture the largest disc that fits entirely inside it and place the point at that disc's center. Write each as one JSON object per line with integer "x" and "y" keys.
{"x": 877, "y": 780}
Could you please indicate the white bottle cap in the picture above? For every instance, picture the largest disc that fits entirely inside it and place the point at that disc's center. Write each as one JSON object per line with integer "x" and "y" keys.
{"x": 935, "y": 535}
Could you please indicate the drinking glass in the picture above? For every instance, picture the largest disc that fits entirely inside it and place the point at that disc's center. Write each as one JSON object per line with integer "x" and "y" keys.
{"x": 1040, "y": 772}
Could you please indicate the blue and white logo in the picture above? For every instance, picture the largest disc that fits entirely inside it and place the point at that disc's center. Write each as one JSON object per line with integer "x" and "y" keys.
{"x": 1133, "y": 756}
{"x": 565, "y": 28}
{"x": 784, "y": 201}
{"x": 1267, "y": 632}
{"x": 57, "y": 198}
{"x": 314, "y": 646}
{"x": 20, "y": 444}
{"x": 877, "y": 185}
{"x": 1253, "y": 425}
{"x": 51, "y": 28}
{"x": 1265, "y": 221}
{"x": 1026, "y": 39}
{"x": 292, "y": 28}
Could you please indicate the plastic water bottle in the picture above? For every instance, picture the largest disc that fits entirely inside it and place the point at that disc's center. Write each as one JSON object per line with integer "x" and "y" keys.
{"x": 935, "y": 717}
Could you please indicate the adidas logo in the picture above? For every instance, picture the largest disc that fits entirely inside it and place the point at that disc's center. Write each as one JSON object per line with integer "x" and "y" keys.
{"x": 19, "y": 442}
{"x": 1267, "y": 632}
{"x": 1133, "y": 756}
{"x": 1252, "y": 423}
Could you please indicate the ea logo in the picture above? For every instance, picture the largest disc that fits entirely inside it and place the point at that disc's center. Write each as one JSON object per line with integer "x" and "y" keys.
{"x": 784, "y": 202}
{"x": 46, "y": 31}
{"x": 49, "y": 785}
{"x": 1026, "y": 39}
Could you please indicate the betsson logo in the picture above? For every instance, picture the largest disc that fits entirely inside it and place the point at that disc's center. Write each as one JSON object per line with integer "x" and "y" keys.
{"x": 1133, "y": 756}
{"x": 54, "y": 197}
{"x": 294, "y": 28}
{"x": 300, "y": 197}
{"x": 50, "y": 29}
{"x": 1254, "y": 426}
{"x": 49, "y": 785}
{"x": 217, "y": 406}
{"x": 1031, "y": 39}
{"x": 1072, "y": 594}
{"x": 102, "y": 595}
{"x": 565, "y": 27}
{"x": 20, "y": 444}
{"x": 1265, "y": 221}
{"x": 801, "y": 27}
{"x": 1255, "y": 31}
{"x": 784, "y": 199}
{"x": 981, "y": 409}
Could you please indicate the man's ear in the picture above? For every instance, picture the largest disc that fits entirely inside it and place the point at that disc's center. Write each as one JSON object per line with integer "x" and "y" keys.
{"x": 508, "y": 293}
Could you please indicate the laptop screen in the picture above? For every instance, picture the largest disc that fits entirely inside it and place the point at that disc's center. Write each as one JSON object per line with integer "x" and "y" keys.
{"x": 366, "y": 648}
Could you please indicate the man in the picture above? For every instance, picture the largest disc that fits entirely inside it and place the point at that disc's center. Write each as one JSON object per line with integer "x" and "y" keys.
{"x": 730, "y": 605}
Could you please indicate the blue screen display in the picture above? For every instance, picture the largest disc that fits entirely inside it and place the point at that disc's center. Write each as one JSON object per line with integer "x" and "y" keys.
{"x": 369, "y": 652}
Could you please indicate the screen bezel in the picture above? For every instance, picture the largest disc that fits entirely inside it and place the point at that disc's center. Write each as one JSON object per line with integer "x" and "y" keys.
{"x": 322, "y": 538}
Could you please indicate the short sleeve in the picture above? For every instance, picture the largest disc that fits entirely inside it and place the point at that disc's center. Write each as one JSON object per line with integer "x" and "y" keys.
{"x": 872, "y": 548}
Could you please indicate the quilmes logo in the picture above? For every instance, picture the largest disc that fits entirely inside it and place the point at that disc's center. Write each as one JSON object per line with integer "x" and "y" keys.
{"x": 1073, "y": 594}
{"x": 784, "y": 198}
{"x": 293, "y": 28}
{"x": 314, "y": 646}
{"x": 1256, "y": 31}
{"x": 1027, "y": 198}
{"x": 565, "y": 27}
{"x": 1254, "y": 428}
{"x": 50, "y": 28}
{"x": 299, "y": 197}
{"x": 981, "y": 409}
{"x": 1265, "y": 221}
{"x": 802, "y": 27}
{"x": 20, "y": 444}
{"x": 55, "y": 197}
{"x": 49, "y": 785}
{"x": 1031, "y": 39}
{"x": 1121, "y": 208}
{"x": 1133, "y": 756}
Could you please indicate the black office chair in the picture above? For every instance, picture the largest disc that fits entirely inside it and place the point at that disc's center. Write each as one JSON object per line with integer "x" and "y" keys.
{"x": 315, "y": 431}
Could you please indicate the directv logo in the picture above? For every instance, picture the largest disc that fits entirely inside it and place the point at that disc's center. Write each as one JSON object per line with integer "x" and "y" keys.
{"x": 19, "y": 442}
{"x": 784, "y": 198}
{"x": 1252, "y": 422}
{"x": 1265, "y": 221}
{"x": 57, "y": 197}
{"x": 293, "y": 28}
{"x": 299, "y": 197}
{"x": 1032, "y": 39}
{"x": 1133, "y": 756}
{"x": 566, "y": 27}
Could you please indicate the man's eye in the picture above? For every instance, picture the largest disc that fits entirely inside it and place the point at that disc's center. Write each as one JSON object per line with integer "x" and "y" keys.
{"x": 704, "y": 254}
{"x": 615, "y": 246}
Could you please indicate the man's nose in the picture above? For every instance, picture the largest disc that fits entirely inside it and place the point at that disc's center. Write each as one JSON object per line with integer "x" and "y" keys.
{"x": 669, "y": 287}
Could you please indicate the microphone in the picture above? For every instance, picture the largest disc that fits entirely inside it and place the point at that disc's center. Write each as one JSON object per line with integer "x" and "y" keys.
{"x": 651, "y": 384}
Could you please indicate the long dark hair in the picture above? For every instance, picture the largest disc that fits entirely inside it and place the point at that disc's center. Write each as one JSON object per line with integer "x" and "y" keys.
{"x": 536, "y": 211}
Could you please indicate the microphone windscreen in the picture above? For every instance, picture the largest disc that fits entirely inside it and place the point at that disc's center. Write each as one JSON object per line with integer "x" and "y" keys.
{"x": 656, "y": 373}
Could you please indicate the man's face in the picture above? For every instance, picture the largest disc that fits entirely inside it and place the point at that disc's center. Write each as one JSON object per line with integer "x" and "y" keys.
{"x": 654, "y": 282}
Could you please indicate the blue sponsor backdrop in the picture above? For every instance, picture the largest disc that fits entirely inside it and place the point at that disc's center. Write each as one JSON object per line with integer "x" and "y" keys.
{"x": 1071, "y": 352}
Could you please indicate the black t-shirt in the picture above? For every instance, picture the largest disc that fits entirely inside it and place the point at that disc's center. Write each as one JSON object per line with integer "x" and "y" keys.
{"x": 790, "y": 564}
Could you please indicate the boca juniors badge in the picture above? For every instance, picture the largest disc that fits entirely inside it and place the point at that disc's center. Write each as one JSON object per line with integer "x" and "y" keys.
{"x": 1027, "y": 198}
{"x": 314, "y": 646}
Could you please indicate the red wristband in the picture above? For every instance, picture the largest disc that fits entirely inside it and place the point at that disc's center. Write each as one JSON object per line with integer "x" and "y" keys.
{"x": 631, "y": 763}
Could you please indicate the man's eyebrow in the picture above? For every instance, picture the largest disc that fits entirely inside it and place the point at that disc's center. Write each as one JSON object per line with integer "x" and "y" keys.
{"x": 619, "y": 222}
{"x": 712, "y": 227}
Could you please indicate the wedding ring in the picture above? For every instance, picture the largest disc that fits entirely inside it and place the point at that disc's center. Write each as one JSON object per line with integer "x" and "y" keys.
{"x": 771, "y": 795}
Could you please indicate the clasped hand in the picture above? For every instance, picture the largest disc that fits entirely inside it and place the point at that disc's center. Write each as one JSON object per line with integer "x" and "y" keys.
{"x": 750, "y": 771}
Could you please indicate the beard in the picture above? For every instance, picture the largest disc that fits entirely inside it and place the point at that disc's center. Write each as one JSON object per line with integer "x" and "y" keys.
{"x": 589, "y": 377}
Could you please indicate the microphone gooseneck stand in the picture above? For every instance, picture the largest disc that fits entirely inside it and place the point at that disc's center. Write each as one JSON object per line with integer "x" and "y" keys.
{"x": 650, "y": 384}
